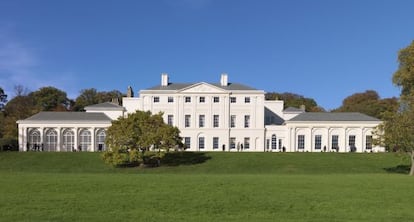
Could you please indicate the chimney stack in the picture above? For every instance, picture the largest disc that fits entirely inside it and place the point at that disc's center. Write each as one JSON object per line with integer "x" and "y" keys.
{"x": 164, "y": 79}
{"x": 224, "y": 79}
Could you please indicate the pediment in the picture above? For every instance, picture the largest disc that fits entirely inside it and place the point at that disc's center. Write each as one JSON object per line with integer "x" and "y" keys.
{"x": 202, "y": 88}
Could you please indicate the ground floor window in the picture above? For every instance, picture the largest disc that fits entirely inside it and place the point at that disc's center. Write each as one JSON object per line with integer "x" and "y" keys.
{"x": 274, "y": 142}
{"x": 215, "y": 143}
{"x": 246, "y": 143}
{"x": 351, "y": 143}
{"x": 318, "y": 142}
{"x": 335, "y": 142}
{"x": 187, "y": 142}
{"x": 368, "y": 142}
{"x": 232, "y": 142}
{"x": 301, "y": 142}
{"x": 100, "y": 140}
{"x": 201, "y": 142}
{"x": 84, "y": 140}
{"x": 51, "y": 140}
{"x": 34, "y": 140}
{"x": 68, "y": 143}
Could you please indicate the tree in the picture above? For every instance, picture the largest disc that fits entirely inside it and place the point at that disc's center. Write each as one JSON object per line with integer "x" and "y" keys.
{"x": 3, "y": 99}
{"x": 295, "y": 100}
{"x": 397, "y": 130}
{"x": 129, "y": 138}
{"x": 92, "y": 96}
{"x": 51, "y": 99}
{"x": 368, "y": 102}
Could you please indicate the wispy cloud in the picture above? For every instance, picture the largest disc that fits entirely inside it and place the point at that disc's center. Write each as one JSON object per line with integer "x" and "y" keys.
{"x": 21, "y": 65}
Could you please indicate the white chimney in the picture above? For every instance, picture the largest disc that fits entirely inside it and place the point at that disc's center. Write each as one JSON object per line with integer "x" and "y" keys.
{"x": 164, "y": 79}
{"x": 224, "y": 79}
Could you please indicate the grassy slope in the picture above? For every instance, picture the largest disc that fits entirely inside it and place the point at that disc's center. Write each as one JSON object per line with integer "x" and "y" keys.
{"x": 226, "y": 187}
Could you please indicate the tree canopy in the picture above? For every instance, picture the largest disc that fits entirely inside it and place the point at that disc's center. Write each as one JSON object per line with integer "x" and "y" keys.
{"x": 51, "y": 99}
{"x": 295, "y": 100}
{"x": 368, "y": 102}
{"x": 92, "y": 96}
{"x": 130, "y": 137}
{"x": 397, "y": 130}
{"x": 3, "y": 98}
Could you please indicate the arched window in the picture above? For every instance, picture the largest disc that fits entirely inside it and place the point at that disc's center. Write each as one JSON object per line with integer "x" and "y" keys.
{"x": 84, "y": 140}
{"x": 68, "y": 141}
{"x": 274, "y": 142}
{"x": 34, "y": 140}
{"x": 100, "y": 140}
{"x": 51, "y": 140}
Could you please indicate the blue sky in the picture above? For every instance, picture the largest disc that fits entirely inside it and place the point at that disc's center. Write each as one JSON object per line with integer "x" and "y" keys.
{"x": 323, "y": 49}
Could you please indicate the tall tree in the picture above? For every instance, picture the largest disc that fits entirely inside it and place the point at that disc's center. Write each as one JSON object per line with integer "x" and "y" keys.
{"x": 368, "y": 102}
{"x": 51, "y": 99}
{"x": 3, "y": 98}
{"x": 92, "y": 96}
{"x": 295, "y": 100}
{"x": 397, "y": 130}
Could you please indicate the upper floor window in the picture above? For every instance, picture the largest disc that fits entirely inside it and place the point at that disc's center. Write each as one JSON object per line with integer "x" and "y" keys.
{"x": 215, "y": 120}
{"x": 246, "y": 99}
{"x": 233, "y": 121}
{"x": 201, "y": 120}
{"x": 170, "y": 99}
{"x": 232, "y": 99}
{"x": 156, "y": 99}
{"x": 216, "y": 99}
{"x": 246, "y": 121}
{"x": 187, "y": 99}
{"x": 202, "y": 99}
{"x": 187, "y": 119}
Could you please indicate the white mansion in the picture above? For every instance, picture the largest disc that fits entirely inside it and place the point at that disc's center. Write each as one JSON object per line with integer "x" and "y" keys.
{"x": 211, "y": 117}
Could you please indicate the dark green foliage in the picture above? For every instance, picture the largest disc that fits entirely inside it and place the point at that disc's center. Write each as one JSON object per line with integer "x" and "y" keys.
{"x": 295, "y": 100}
{"x": 130, "y": 138}
{"x": 50, "y": 99}
{"x": 9, "y": 144}
{"x": 397, "y": 130}
{"x": 370, "y": 103}
{"x": 92, "y": 96}
{"x": 3, "y": 98}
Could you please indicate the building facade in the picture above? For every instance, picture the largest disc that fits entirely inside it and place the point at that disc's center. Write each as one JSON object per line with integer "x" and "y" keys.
{"x": 220, "y": 116}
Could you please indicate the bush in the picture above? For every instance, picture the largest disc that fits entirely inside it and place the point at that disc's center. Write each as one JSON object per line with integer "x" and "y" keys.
{"x": 9, "y": 144}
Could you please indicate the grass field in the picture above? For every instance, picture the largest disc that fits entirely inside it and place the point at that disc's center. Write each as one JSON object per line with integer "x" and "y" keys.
{"x": 207, "y": 187}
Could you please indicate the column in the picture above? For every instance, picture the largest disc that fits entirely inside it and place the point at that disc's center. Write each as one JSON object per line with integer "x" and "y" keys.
{"x": 58, "y": 139}
{"x": 76, "y": 138}
{"x": 93, "y": 135}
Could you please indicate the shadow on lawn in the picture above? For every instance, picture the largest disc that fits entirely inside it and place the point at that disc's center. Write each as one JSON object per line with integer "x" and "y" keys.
{"x": 403, "y": 169}
{"x": 184, "y": 158}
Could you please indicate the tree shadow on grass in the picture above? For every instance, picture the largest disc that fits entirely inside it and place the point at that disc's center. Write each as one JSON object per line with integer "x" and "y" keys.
{"x": 402, "y": 169}
{"x": 184, "y": 158}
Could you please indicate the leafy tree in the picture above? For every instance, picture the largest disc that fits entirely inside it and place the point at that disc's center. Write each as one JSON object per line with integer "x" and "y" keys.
{"x": 51, "y": 99}
{"x": 20, "y": 107}
{"x": 295, "y": 100}
{"x": 129, "y": 138}
{"x": 3, "y": 99}
{"x": 92, "y": 96}
{"x": 368, "y": 102}
{"x": 397, "y": 130}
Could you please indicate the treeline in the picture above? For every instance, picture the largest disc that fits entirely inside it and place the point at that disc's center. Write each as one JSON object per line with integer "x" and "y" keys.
{"x": 25, "y": 104}
{"x": 368, "y": 102}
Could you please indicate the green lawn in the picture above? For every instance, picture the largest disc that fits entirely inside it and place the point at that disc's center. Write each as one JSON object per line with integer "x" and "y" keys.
{"x": 207, "y": 187}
